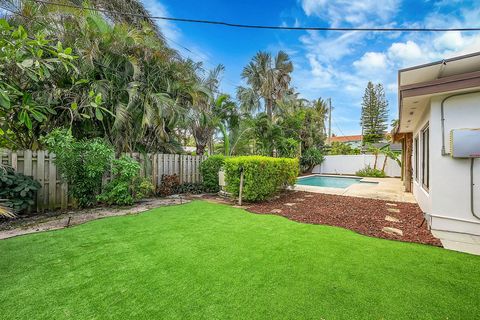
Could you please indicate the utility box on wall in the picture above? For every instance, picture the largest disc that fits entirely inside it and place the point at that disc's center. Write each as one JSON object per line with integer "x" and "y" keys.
{"x": 465, "y": 143}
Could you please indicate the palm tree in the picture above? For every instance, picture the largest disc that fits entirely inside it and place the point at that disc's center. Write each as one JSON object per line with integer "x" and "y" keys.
{"x": 267, "y": 79}
{"x": 203, "y": 116}
{"x": 389, "y": 154}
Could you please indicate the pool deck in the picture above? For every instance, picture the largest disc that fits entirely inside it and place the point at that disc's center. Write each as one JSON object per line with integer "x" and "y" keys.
{"x": 390, "y": 189}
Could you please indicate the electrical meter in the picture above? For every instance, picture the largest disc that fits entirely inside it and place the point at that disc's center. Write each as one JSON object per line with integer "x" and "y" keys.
{"x": 465, "y": 143}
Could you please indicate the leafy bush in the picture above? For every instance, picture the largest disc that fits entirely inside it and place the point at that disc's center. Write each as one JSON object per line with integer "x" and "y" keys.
{"x": 169, "y": 185}
{"x": 192, "y": 188}
{"x": 146, "y": 188}
{"x": 17, "y": 189}
{"x": 310, "y": 158}
{"x": 263, "y": 176}
{"x": 288, "y": 147}
{"x": 81, "y": 163}
{"x": 209, "y": 169}
{"x": 340, "y": 148}
{"x": 370, "y": 172}
{"x": 123, "y": 188}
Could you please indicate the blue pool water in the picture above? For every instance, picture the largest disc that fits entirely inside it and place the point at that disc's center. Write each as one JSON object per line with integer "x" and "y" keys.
{"x": 331, "y": 182}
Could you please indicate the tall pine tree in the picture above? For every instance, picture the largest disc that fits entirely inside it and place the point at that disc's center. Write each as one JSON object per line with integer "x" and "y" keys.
{"x": 374, "y": 113}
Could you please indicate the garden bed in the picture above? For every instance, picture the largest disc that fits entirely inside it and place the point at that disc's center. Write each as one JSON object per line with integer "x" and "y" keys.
{"x": 363, "y": 215}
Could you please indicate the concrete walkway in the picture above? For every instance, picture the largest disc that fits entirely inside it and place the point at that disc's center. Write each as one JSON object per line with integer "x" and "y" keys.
{"x": 390, "y": 189}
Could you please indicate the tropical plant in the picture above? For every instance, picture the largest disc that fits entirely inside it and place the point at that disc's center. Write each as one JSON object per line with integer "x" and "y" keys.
{"x": 389, "y": 154}
{"x": 310, "y": 158}
{"x": 31, "y": 69}
{"x": 370, "y": 172}
{"x": 123, "y": 187}
{"x": 82, "y": 163}
{"x": 17, "y": 191}
{"x": 267, "y": 79}
{"x": 340, "y": 148}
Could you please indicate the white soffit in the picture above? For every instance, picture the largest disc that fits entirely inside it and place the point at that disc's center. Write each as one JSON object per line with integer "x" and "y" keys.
{"x": 440, "y": 69}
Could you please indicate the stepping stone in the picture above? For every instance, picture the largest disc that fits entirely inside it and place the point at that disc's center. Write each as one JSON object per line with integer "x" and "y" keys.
{"x": 289, "y": 204}
{"x": 391, "y": 204}
{"x": 391, "y": 219}
{"x": 299, "y": 199}
{"x": 393, "y": 231}
{"x": 276, "y": 211}
{"x": 393, "y": 210}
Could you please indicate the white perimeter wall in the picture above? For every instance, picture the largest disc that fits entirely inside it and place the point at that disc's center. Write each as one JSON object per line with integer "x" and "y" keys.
{"x": 349, "y": 164}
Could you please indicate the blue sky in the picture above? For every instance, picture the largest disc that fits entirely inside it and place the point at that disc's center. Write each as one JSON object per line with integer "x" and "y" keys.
{"x": 327, "y": 64}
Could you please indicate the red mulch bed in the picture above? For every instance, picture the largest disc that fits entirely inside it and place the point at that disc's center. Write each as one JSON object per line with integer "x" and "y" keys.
{"x": 365, "y": 216}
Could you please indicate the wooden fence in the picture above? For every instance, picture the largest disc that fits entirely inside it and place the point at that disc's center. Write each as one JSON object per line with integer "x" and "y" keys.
{"x": 54, "y": 192}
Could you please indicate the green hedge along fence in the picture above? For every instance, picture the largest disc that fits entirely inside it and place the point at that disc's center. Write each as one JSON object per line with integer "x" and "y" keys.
{"x": 262, "y": 176}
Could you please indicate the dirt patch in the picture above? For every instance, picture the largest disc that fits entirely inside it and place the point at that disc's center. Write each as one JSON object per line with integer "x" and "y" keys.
{"x": 59, "y": 220}
{"x": 363, "y": 215}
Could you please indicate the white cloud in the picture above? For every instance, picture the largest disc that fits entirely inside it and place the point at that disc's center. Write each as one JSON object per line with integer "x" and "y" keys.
{"x": 406, "y": 53}
{"x": 351, "y": 12}
{"x": 371, "y": 62}
{"x": 332, "y": 47}
{"x": 157, "y": 9}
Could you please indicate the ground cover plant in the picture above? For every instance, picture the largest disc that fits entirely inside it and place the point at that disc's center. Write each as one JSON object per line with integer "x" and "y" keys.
{"x": 210, "y": 261}
{"x": 17, "y": 191}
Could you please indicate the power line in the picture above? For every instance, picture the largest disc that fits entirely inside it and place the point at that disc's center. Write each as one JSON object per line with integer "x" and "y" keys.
{"x": 250, "y": 26}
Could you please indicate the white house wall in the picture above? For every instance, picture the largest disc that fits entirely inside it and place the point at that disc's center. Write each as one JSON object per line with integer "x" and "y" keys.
{"x": 448, "y": 200}
{"x": 350, "y": 164}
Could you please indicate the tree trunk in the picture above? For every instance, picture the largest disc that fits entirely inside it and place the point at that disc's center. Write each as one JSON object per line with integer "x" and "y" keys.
{"x": 384, "y": 163}
{"x": 269, "y": 108}
{"x": 200, "y": 149}
{"x": 375, "y": 163}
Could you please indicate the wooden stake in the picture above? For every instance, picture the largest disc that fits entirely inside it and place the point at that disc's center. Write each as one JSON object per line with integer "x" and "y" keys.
{"x": 241, "y": 189}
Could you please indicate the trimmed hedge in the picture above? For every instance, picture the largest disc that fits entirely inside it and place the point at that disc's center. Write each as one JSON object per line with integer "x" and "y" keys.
{"x": 209, "y": 169}
{"x": 263, "y": 176}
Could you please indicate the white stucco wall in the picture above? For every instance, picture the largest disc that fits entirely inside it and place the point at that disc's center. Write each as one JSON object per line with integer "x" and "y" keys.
{"x": 349, "y": 164}
{"x": 448, "y": 199}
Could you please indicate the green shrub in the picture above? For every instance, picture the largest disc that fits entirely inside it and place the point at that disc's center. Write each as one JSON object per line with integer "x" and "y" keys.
{"x": 123, "y": 188}
{"x": 263, "y": 176}
{"x": 310, "y": 158}
{"x": 146, "y": 188}
{"x": 191, "y": 188}
{"x": 17, "y": 189}
{"x": 209, "y": 169}
{"x": 81, "y": 163}
{"x": 370, "y": 172}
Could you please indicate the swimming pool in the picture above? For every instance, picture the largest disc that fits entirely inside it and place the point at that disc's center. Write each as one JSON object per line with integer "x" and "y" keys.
{"x": 327, "y": 181}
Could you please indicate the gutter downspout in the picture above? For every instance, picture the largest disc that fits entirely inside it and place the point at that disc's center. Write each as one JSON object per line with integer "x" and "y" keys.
{"x": 472, "y": 207}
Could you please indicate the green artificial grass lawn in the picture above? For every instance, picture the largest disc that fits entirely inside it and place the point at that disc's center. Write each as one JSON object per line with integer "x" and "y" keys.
{"x": 210, "y": 261}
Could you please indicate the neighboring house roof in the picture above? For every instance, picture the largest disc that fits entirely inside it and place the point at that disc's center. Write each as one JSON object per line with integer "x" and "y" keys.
{"x": 346, "y": 138}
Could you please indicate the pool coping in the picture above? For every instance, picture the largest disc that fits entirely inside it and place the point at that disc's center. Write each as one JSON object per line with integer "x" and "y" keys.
{"x": 390, "y": 189}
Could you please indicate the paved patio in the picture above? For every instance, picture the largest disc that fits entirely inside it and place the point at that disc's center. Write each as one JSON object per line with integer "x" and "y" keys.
{"x": 389, "y": 189}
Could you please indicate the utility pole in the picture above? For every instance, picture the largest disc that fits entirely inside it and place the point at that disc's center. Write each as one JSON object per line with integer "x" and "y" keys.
{"x": 329, "y": 120}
